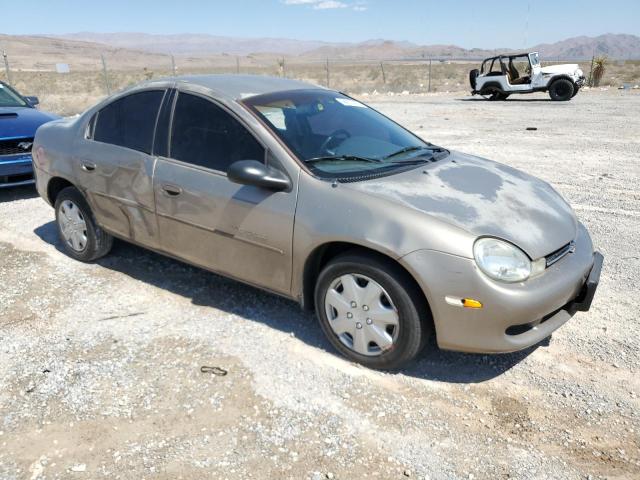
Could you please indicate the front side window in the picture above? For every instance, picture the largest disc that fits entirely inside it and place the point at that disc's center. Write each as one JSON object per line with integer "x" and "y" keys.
{"x": 206, "y": 135}
{"x": 10, "y": 98}
{"x": 335, "y": 135}
{"x": 129, "y": 121}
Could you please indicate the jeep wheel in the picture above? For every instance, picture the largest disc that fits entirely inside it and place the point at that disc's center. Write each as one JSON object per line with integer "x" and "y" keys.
{"x": 371, "y": 311}
{"x": 576, "y": 89}
{"x": 561, "y": 90}
{"x": 81, "y": 237}
{"x": 498, "y": 96}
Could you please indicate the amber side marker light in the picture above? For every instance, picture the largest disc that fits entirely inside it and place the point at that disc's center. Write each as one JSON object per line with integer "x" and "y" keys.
{"x": 471, "y": 303}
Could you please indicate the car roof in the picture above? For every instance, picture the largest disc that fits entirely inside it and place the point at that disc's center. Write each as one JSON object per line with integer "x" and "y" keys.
{"x": 237, "y": 87}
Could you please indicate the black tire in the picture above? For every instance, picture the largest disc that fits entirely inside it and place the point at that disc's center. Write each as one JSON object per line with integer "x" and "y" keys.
{"x": 98, "y": 243}
{"x": 561, "y": 90}
{"x": 498, "y": 96}
{"x": 576, "y": 89}
{"x": 415, "y": 322}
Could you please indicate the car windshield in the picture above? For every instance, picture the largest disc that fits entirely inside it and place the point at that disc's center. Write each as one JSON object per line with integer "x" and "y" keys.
{"x": 338, "y": 136}
{"x": 535, "y": 60}
{"x": 9, "y": 98}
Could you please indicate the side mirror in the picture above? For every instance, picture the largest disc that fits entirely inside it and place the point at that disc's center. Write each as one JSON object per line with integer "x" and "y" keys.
{"x": 33, "y": 101}
{"x": 252, "y": 172}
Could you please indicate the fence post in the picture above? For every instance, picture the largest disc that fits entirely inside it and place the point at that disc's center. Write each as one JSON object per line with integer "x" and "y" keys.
{"x": 6, "y": 66}
{"x": 591, "y": 71}
{"x": 237, "y": 65}
{"x": 327, "y": 68}
{"x": 384, "y": 77}
{"x": 429, "y": 88}
{"x": 106, "y": 77}
{"x": 173, "y": 65}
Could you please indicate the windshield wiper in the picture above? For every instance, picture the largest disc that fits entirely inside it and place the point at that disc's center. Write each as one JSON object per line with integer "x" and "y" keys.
{"x": 413, "y": 161}
{"x": 356, "y": 158}
{"x": 431, "y": 148}
{"x": 403, "y": 150}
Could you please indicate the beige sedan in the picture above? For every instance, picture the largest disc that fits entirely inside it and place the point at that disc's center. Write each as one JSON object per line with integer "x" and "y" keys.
{"x": 314, "y": 196}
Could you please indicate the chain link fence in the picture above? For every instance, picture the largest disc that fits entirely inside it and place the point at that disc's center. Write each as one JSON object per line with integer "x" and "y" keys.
{"x": 68, "y": 86}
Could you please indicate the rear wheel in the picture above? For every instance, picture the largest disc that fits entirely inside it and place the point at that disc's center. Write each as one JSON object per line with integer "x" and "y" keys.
{"x": 498, "y": 96}
{"x": 561, "y": 90}
{"x": 81, "y": 237}
{"x": 371, "y": 311}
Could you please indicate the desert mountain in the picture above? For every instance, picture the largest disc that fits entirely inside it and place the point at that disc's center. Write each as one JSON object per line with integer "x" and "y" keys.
{"x": 619, "y": 46}
{"x": 137, "y": 51}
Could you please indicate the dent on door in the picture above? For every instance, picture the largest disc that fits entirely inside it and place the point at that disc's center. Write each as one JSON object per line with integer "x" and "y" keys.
{"x": 120, "y": 189}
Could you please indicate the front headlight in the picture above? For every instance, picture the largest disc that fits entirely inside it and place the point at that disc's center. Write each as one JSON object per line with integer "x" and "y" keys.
{"x": 501, "y": 260}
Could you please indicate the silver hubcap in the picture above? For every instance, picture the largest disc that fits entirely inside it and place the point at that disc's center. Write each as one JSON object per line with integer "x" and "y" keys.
{"x": 72, "y": 226}
{"x": 361, "y": 314}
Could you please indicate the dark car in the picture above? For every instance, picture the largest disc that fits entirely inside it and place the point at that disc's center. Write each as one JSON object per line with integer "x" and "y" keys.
{"x": 19, "y": 120}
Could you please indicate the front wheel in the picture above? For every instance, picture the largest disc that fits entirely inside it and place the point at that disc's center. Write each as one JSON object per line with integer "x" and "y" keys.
{"x": 371, "y": 311}
{"x": 561, "y": 90}
{"x": 81, "y": 236}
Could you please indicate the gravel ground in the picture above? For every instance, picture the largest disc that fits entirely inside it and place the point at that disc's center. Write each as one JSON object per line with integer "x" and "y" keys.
{"x": 100, "y": 364}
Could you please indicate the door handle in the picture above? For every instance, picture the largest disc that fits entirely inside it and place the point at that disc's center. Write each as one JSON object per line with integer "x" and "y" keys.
{"x": 171, "y": 190}
{"x": 88, "y": 167}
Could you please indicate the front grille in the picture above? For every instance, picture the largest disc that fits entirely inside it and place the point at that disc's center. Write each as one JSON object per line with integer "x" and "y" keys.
{"x": 560, "y": 253}
{"x": 15, "y": 146}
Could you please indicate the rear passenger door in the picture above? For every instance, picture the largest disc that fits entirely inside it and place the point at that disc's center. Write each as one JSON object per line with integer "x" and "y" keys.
{"x": 238, "y": 230}
{"x": 115, "y": 165}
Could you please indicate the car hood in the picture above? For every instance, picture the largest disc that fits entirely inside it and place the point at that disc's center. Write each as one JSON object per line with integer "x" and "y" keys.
{"x": 22, "y": 121}
{"x": 483, "y": 198}
{"x": 568, "y": 68}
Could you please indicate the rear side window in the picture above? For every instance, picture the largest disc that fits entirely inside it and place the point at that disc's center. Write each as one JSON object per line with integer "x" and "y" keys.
{"x": 130, "y": 121}
{"x": 204, "y": 134}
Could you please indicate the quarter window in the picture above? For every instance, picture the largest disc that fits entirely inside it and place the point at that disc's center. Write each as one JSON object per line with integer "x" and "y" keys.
{"x": 204, "y": 134}
{"x": 130, "y": 121}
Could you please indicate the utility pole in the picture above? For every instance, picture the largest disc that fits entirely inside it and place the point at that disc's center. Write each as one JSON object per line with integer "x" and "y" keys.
{"x": 6, "y": 66}
{"x": 173, "y": 65}
{"x": 327, "y": 68}
{"x": 593, "y": 58}
{"x": 106, "y": 76}
{"x": 237, "y": 65}
{"x": 384, "y": 77}
{"x": 429, "y": 88}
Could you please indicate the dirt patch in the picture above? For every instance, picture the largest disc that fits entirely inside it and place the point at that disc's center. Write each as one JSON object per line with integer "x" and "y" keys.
{"x": 100, "y": 363}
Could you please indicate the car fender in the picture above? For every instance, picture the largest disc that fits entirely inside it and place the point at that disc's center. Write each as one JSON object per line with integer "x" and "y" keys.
{"x": 331, "y": 212}
{"x": 555, "y": 77}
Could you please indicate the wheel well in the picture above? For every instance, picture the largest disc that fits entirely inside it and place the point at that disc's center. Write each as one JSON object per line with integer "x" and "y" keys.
{"x": 325, "y": 253}
{"x": 490, "y": 87}
{"x": 566, "y": 77}
{"x": 56, "y": 185}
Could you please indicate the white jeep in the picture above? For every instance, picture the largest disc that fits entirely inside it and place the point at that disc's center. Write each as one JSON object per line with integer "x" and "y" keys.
{"x": 505, "y": 75}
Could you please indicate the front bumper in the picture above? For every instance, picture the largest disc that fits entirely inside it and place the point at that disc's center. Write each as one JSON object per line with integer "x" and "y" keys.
{"x": 513, "y": 316}
{"x": 581, "y": 81}
{"x": 16, "y": 170}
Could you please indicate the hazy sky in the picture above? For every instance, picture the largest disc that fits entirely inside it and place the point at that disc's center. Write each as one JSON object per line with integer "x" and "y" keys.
{"x": 460, "y": 22}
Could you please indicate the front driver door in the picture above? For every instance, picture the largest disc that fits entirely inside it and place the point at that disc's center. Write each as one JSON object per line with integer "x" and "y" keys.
{"x": 241, "y": 231}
